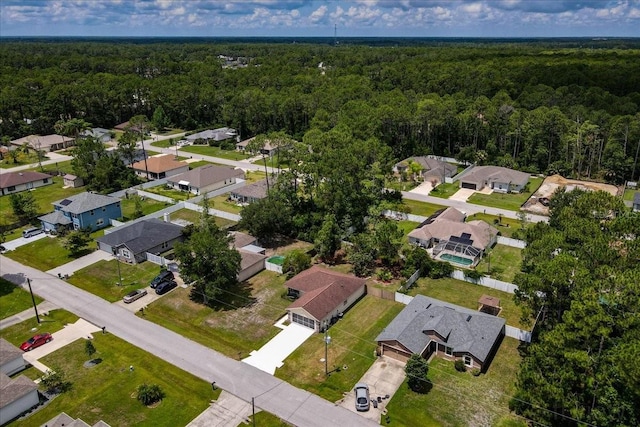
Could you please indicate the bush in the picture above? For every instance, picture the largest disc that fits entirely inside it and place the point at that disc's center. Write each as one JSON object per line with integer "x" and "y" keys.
{"x": 295, "y": 262}
{"x": 440, "y": 269}
{"x": 416, "y": 370}
{"x": 459, "y": 365}
{"x": 54, "y": 381}
{"x": 149, "y": 394}
{"x": 476, "y": 372}
{"x": 474, "y": 275}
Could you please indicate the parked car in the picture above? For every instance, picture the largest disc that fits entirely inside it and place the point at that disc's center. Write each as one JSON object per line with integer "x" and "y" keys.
{"x": 30, "y": 232}
{"x": 2, "y": 249}
{"x": 134, "y": 295}
{"x": 36, "y": 341}
{"x": 362, "y": 397}
{"x": 162, "y": 277}
{"x": 164, "y": 287}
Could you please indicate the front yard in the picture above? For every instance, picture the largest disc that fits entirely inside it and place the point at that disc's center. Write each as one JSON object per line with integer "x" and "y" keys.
{"x": 14, "y": 299}
{"x": 207, "y": 150}
{"x": 467, "y": 294}
{"x": 421, "y": 208}
{"x": 509, "y": 201}
{"x": 352, "y": 349}
{"x": 505, "y": 263}
{"x": 52, "y": 322}
{"x": 45, "y": 254}
{"x": 241, "y": 322}
{"x": 445, "y": 190}
{"x": 459, "y": 398}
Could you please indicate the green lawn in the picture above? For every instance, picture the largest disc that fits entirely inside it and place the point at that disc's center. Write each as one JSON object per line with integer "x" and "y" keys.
{"x": 207, "y": 150}
{"x": 265, "y": 419}
{"x": 177, "y": 195}
{"x": 198, "y": 164}
{"x": 629, "y": 194}
{"x": 14, "y": 299}
{"x": 107, "y": 391}
{"x": 53, "y": 322}
{"x": 273, "y": 162}
{"x": 407, "y": 226}
{"x": 23, "y": 159}
{"x": 221, "y": 203}
{"x": 508, "y": 201}
{"x": 45, "y": 254}
{"x": 421, "y": 208}
{"x": 241, "y": 322}
{"x": 394, "y": 184}
{"x": 101, "y": 278}
{"x": 194, "y": 217}
{"x": 505, "y": 263}
{"x": 467, "y": 294}
{"x": 172, "y": 131}
{"x": 459, "y": 398}
{"x": 506, "y": 226}
{"x": 444, "y": 191}
{"x": 352, "y": 345}
{"x": 148, "y": 206}
{"x": 254, "y": 176}
{"x": 165, "y": 143}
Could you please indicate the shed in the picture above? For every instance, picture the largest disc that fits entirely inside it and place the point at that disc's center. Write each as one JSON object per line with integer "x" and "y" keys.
{"x": 490, "y": 305}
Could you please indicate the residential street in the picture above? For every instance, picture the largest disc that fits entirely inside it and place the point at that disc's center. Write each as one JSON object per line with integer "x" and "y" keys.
{"x": 293, "y": 405}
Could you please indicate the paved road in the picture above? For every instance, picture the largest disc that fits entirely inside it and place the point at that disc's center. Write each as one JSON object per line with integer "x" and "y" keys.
{"x": 470, "y": 208}
{"x": 294, "y": 405}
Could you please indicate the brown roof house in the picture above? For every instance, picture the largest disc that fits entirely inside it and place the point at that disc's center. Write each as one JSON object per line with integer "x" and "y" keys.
{"x": 250, "y": 193}
{"x": 14, "y": 182}
{"x": 267, "y": 149}
{"x": 427, "y": 326}
{"x": 321, "y": 296}
{"x": 205, "y": 179}
{"x": 431, "y": 168}
{"x": 160, "y": 166}
{"x": 498, "y": 178}
{"x": 452, "y": 239}
{"x": 45, "y": 142}
{"x": 252, "y": 256}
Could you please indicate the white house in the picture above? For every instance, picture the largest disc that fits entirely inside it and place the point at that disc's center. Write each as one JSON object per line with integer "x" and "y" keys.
{"x": 204, "y": 179}
{"x": 14, "y": 182}
{"x": 11, "y": 360}
{"x": 17, "y": 396}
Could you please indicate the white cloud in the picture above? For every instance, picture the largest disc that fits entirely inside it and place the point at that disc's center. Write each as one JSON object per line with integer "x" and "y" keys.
{"x": 318, "y": 14}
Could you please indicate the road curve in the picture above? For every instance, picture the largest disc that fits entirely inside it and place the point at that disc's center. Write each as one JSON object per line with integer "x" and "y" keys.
{"x": 271, "y": 394}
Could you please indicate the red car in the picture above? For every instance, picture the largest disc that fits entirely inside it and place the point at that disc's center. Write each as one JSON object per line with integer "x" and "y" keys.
{"x": 36, "y": 341}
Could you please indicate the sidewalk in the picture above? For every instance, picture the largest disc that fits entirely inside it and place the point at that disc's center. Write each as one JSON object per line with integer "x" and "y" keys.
{"x": 82, "y": 262}
{"x": 43, "y": 307}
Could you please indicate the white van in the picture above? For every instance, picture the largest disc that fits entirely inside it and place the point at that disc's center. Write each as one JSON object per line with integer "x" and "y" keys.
{"x": 29, "y": 232}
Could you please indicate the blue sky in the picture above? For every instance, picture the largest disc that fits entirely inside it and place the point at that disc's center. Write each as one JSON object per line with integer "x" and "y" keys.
{"x": 394, "y": 18}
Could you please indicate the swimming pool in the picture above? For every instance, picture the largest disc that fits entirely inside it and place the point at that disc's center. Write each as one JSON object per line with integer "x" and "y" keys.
{"x": 276, "y": 259}
{"x": 456, "y": 259}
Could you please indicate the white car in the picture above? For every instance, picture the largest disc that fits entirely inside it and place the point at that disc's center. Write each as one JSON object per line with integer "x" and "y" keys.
{"x": 134, "y": 295}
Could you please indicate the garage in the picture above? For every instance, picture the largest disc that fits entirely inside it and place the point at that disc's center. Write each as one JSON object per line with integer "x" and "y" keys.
{"x": 302, "y": 320}
{"x": 395, "y": 353}
{"x": 468, "y": 185}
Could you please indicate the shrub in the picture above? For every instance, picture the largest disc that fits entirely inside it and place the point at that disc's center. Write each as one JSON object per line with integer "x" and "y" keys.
{"x": 440, "y": 270}
{"x": 149, "y": 394}
{"x": 416, "y": 370}
{"x": 474, "y": 275}
{"x": 476, "y": 372}
{"x": 89, "y": 348}
{"x": 295, "y": 262}
{"x": 385, "y": 275}
{"x": 459, "y": 365}
{"x": 54, "y": 381}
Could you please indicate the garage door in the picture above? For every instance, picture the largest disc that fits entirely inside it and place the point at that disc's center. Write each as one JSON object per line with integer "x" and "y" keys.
{"x": 304, "y": 321}
{"x": 469, "y": 185}
{"x": 394, "y": 353}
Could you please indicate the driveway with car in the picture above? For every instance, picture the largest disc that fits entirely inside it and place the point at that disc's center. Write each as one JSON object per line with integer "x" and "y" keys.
{"x": 384, "y": 377}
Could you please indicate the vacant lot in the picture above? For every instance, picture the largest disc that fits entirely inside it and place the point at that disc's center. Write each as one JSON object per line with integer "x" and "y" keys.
{"x": 352, "y": 349}
{"x": 505, "y": 263}
{"x": 467, "y": 295}
{"x": 459, "y": 398}
{"x": 241, "y": 320}
{"x": 421, "y": 208}
{"x": 206, "y": 150}
{"x": 14, "y": 299}
{"x": 509, "y": 201}
{"x": 45, "y": 254}
{"x": 148, "y": 206}
{"x": 193, "y": 217}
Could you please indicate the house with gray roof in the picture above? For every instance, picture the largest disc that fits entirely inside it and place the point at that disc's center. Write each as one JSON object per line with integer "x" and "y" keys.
{"x": 427, "y": 326}
{"x": 51, "y": 142}
{"x": 431, "y": 168}
{"x": 497, "y": 178}
{"x": 14, "y": 182}
{"x": 213, "y": 135}
{"x": 101, "y": 134}
{"x": 250, "y": 193}
{"x": 64, "y": 420}
{"x": 636, "y": 202}
{"x": 17, "y": 396}
{"x": 205, "y": 179}
{"x": 252, "y": 256}
{"x": 82, "y": 211}
{"x": 130, "y": 243}
{"x": 11, "y": 360}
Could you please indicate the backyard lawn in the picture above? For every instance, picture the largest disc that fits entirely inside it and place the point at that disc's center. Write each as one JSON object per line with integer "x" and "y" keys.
{"x": 352, "y": 346}
{"x": 421, "y": 208}
{"x": 148, "y": 206}
{"x": 254, "y": 176}
{"x": 52, "y": 322}
{"x": 467, "y": 294}
{"x": 445, "y": 190}
{"x": 242, "y": 320}
{"x": 509, "y": 201}
{"x": 176, "y": 195}
{"x": 459, "y": 398}
{"x": 45, "y": 254}
{"x": 505, "y": 263}
{"x": 407, "y": 226}
{"x": 101, "y": 278}
{"x": 629, "y": 194}
{"x": 193, "y": 217}
{"x": 207, "y": 150}
{"x": 107, "y": 390}
{"x": 220, "y": 203}
{"x": 506, "y": 226}
{"x": 14, "y": 299}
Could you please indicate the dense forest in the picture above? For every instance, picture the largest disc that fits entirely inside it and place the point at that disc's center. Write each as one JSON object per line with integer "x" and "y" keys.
{"x": 544, "y": 107}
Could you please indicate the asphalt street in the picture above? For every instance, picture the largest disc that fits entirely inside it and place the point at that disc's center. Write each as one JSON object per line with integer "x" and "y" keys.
{"x": 271, "y": 394}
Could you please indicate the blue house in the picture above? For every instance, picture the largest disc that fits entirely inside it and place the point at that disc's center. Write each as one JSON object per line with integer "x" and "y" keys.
{"x": 84, "y": 210}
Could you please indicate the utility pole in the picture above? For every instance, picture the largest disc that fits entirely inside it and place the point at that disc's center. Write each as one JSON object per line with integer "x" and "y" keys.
{"x": 327, "y": 341}
{"x": 33, "y": 299}
{"x": 115, "y": 255}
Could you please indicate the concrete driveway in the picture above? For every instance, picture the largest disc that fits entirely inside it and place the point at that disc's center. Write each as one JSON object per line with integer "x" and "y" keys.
{"x": 424, "y": 189}
{"x": 272, "y": 354}
{"x": 21, "y": 241}
{"x": 462, "y": 194}
{"x": 383, "y": 378}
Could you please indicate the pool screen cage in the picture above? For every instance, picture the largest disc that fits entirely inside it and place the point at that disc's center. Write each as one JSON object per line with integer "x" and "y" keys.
{"x": 457, "y": 248}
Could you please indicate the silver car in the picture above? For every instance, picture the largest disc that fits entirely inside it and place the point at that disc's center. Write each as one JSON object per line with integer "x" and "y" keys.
{"x": 362, "y": 397}
{"x": 134, "y": 295}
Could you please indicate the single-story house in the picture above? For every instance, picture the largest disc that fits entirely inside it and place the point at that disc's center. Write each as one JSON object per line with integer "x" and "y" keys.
{"x": 431, "y": 168}
{"x": 84, "y": 210}
{"x": 427, "y": 326}
{"x": 45, "y": 142}
{"x": 252, "y": 255}
{"x": 321, "y": 296}
{"x": 14, "y": 182}
{"x": 220, "y": 134}
{"x": 205, "y": 179}
{"x": 250, "y": 193}
{"x": 64, "y": 420}
{"x": 497, "y": 178}
{"x": 636, "y": 202}
{"x": 4, "y": 151}
{"x": 17, "y": 396}
{"x": 160, "y": 166}
{"x": 72, "y": 181}
{"x": 454, "y": 240}
{"x": 101, "y": 134}
{"x": 267, "y": 149}
{"x": 131, "y": 243}
{"x": 11, "y": 360}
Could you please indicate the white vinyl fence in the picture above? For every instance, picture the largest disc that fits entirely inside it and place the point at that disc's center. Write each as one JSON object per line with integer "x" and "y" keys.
{"x": 155, "y": 196}
{"x": 487, "y": 282}
{"x": 214, "y": 212}
{"x": 156, "y": 259}
{"x": 273, "y": 267}
{"x": 514, "y": 243}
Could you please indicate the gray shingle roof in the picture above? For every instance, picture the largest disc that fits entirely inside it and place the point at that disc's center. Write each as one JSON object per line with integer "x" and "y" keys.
{"x": 636, "y": 198}
{"x": 84, "y": 202}
{"x": 462, "y": 329}
{"x": 207, "y": 175}
{"x": 257, "y": 190}
{"x": 8, "y": 351}
{"x": 430, "y": 164}
{"x": 55, "y": 217}
{"x": 14, "y": 389}
{"x": 496, "y": 174}
{"x": 215, "y": 134}
{"x": 142, "y": 235}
